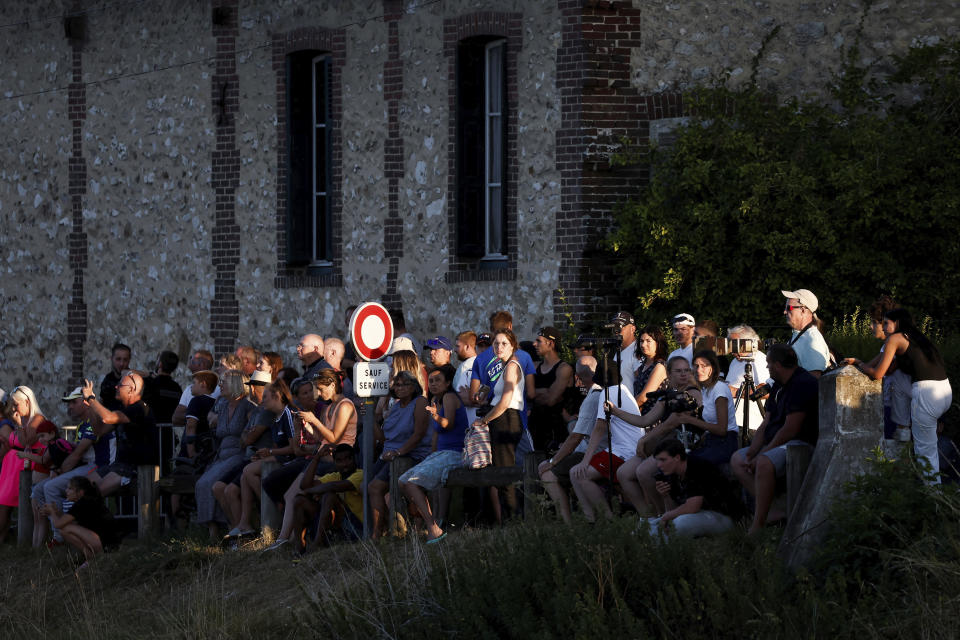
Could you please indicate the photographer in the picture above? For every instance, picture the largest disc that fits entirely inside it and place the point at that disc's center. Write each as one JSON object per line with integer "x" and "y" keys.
{"x": 636, "y": 474}
{"x": 698, "y": 498}
{"x": 573, "y": 448}
{"x": 737, "y": 371}
{"x": 718, "y": 420}
{"x": 792, "y": 417}
{"x": 597, "y": 459}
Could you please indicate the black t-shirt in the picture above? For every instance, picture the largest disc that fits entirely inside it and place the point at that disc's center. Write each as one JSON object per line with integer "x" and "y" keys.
{"x": 199, "y": 408}
{"x": 261, "y": 416}
{"x": 704, "y": 479}
{"x": 91, "y": 513}
{"x": 800, "y": 393}
{"x": 137, "y": 440}
{"x": 108, "y": 391}
{"x": 162, "y": 394}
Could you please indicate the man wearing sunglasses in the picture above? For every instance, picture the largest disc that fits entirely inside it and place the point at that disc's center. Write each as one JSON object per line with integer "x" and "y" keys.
{"x": 807, "y": 341}
{"x": 136, "y": 432}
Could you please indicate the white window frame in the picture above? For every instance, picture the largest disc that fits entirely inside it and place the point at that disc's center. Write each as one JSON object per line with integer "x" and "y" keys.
{"x": 490, "y": 76}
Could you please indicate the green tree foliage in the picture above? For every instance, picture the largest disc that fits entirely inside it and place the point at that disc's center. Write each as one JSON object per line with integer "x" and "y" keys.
{"x": 849, "y": 197}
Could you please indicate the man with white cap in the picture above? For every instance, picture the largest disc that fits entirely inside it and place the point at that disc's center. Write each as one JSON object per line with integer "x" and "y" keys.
{"x": 683, "y": 325}
{"x": 84, "y": 458}
{"x": 807, "y": 341}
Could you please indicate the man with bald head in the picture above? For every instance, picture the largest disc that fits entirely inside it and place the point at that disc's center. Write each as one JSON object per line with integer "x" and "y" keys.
{"x": 333, "y": 352}
{"x": 136, "y": 432}
{"x": 310, "y": 353}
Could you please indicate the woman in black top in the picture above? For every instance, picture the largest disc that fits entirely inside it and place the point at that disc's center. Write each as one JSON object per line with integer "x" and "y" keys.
{"x": 916, "y": 356}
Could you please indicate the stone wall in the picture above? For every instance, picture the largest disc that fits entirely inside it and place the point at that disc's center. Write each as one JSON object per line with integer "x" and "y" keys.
{"x": 688, "y": 43}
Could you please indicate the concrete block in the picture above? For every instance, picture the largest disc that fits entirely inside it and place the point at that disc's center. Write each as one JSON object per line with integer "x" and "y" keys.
{"x": 851, "y": 427}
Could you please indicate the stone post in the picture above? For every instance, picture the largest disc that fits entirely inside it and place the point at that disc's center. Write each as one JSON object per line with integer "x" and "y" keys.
{"x": 25, "y": 508}
{"x": 271, "y": 517}
{"x": 148, "y": 500}
{"x": 851, "y": 426}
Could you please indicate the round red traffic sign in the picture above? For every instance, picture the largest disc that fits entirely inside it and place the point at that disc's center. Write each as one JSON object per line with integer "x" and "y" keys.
{"x": 371, "y": 331}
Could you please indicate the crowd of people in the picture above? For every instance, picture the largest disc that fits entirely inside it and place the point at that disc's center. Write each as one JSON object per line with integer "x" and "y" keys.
{"x": 679, "y": 437}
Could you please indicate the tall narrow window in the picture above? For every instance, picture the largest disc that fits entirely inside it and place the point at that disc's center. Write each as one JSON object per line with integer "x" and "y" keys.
{"x": 309, "y": 231}
{"x": 481, "y": 149}
{"x": 495, "y": 248}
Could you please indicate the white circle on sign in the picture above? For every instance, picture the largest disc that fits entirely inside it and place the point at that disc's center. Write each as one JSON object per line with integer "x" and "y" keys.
{"x": 373, "y": 330}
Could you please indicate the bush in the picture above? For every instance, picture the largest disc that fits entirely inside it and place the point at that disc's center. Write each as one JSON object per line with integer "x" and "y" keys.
{"x": 848, "y": 197}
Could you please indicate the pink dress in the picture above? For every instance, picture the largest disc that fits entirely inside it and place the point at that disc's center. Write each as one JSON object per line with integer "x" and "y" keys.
{"x": 10, "y": 470}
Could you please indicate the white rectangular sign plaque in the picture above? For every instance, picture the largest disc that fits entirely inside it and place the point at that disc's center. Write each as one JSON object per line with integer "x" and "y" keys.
{"x": 371, "y": 379}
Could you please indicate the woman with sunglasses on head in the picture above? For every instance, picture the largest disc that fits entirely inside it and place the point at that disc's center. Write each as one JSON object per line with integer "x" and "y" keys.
{"x": 18, "y": 430}
{"x": 916, "y": 356}
{"x": 652, "y": 346}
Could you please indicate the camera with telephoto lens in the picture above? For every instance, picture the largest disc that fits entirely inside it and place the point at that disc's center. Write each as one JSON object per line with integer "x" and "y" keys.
{"x": 743, "y": 347}
{"x": 675, "y": 401}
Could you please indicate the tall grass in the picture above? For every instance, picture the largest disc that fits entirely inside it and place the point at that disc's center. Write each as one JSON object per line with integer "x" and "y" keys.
{"x": 889, "y": 567}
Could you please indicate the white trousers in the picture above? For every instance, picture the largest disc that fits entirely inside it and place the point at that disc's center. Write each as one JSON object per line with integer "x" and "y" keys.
{"x": 931, "y": 399}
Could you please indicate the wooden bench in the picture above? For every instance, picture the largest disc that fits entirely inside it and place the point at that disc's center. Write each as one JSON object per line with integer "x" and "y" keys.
{"x": 477, "y": 478}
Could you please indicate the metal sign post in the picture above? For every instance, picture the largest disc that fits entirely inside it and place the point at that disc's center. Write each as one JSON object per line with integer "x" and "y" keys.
{"x": 371, "y": 331}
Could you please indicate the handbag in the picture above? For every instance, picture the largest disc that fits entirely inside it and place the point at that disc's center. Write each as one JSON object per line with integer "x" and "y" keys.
{"x": 477, "y": 452}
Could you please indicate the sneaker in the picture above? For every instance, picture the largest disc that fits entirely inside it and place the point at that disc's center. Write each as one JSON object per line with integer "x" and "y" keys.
{"x": 236, "y": 532}
{"x": 276, "y": 545}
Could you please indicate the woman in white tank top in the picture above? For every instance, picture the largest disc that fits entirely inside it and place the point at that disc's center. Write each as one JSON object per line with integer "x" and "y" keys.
{"x": 503, "y": 418}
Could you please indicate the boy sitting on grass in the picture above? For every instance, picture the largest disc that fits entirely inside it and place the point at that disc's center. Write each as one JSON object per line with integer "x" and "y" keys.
{"x": 86, "y": 524}
{"x": 334, "y": 500}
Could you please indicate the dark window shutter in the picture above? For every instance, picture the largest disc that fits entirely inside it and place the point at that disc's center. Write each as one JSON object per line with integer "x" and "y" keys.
{"x": 299, "y": 160}
{"x": 470, "y": 150}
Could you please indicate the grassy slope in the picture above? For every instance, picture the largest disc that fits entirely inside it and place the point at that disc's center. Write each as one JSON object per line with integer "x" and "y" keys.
{"x": 537, "y": 580}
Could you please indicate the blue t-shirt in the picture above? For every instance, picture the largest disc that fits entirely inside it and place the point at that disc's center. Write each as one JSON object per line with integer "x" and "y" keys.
{"x": 398, "y": 427}
{"x": 451, "y": 439}
{"x": 487, "y": 368}
{"x": 283, "y": 432}
{"x": 99, "y": 452}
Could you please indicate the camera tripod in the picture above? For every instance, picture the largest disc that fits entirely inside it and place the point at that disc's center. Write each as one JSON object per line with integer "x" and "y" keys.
{"x": 611, "y": 375}
{"x": 746, "y": 390}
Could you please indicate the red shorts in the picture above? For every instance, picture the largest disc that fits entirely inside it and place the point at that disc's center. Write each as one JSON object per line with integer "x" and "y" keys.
{"x": 602, "y": 462}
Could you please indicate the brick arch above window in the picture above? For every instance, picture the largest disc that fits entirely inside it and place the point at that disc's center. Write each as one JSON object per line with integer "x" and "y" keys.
{"x": 303, "y": 264}
{"x": 475, "y": 251}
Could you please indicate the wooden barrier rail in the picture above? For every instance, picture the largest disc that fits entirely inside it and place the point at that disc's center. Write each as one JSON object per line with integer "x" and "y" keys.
{"x": 486, "y": 477}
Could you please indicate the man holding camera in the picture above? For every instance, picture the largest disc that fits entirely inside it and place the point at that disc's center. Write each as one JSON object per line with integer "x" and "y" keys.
{"x": 800, "y": 311}
{"x": 698, "y": 498}
{"x": 792, "y": 418}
